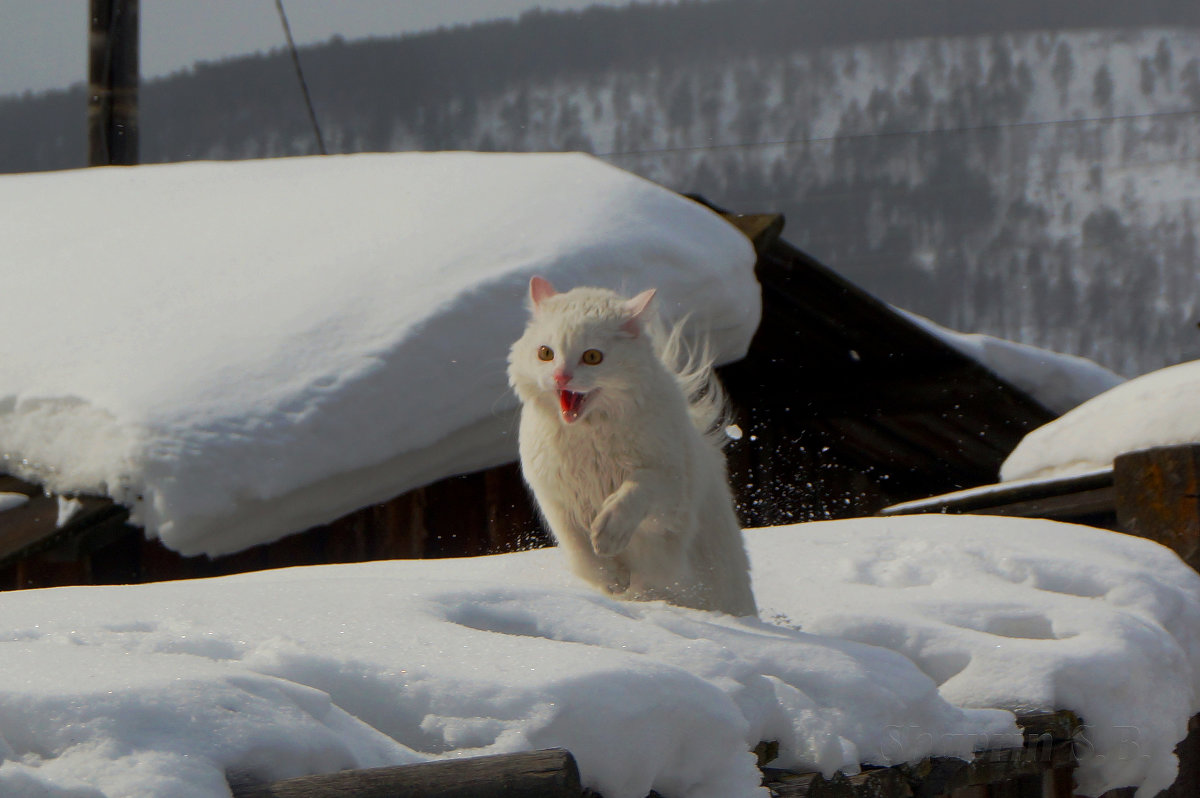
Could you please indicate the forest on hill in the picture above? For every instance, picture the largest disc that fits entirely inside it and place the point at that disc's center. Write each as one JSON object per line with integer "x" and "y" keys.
{"x": 1026, "y": 169}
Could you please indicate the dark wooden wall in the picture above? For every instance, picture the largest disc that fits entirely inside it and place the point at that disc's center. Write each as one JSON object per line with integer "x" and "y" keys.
{"x": 480, "y": 513}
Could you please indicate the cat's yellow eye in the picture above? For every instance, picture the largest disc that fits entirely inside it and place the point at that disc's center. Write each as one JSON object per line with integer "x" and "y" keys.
{"x": 545, "y": 353}
{"x": 592, "y": 357}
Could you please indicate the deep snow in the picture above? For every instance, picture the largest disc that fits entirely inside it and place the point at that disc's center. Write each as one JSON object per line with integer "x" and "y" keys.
{"x": 884, "y": 640}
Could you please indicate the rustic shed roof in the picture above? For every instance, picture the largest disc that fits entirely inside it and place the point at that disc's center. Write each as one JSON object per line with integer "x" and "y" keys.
{"x": 838, "y": 387}
{"x": 845, "y": 405}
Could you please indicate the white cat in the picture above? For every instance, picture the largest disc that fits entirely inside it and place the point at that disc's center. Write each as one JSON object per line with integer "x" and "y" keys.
{"x": 621, "y": 446}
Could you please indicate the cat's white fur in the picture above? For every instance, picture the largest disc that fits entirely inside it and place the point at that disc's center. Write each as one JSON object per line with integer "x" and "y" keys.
{"x": 632, "y": 483}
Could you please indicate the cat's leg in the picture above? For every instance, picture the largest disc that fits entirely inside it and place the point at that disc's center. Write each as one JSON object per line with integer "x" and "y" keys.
{"x": 645, "y": 494}
{"x": 608, "y": 573}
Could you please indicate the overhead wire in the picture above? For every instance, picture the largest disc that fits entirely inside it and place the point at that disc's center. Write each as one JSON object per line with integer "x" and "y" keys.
{"x": 312, "y": 114}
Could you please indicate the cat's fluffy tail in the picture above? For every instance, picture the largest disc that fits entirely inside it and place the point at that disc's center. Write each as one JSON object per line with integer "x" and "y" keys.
{"x": 692, "y": 365}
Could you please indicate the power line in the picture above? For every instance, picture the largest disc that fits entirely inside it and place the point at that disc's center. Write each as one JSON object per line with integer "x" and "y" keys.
{"x": 896, "y": 134}
{"x": 312, "y": 115}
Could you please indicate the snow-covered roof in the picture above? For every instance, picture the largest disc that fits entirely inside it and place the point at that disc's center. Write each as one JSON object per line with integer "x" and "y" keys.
{"x": 242, "y": 350}
{"x": 1161, "y": 408}
{"x": 885, "y": 640}
{"x": 1059, "y": 381}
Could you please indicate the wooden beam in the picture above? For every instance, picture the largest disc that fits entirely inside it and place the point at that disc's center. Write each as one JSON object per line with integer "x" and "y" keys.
{"x": 1158, "y": 497}
{"x": 113, "y": 83}
{"x": 1041, "y": 768}
{"x": 1061, "y": 497}
{"x": 551, "y": 773}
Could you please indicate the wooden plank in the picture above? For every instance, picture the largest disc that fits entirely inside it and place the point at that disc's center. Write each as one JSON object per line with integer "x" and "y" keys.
{"x": 1158, "y": 497}
{"x": 1060, "y": 496}
{"x": 513, "y": 523}
{"x": 36, "y": 552}
{"x": 1075, "y": 505}
{"x": 456, "y": 515}
{"x": 551, "y": 773}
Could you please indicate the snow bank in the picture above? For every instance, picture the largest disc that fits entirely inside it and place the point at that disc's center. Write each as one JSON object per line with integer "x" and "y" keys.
{"x": 915, "y": 634}
{"x": 242, "y": 350}
{"x": 1059, "y": 381}
{"x": 1161, "y": 408}
{"x": 1020, "y": 614}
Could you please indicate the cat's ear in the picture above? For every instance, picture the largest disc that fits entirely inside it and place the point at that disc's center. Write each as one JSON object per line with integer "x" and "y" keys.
{"x": 635, "y": 311}
{"x": 539, "y": 290}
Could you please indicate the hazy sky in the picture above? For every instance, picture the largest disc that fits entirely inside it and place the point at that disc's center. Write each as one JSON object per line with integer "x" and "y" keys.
{"x": 43, "y": 43}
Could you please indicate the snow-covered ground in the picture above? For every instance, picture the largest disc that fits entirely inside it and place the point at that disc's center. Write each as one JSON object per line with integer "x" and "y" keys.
{"x": 240, "y": 351}
{"x": 1161, "y": 408}
{"x": 882, "y": 640}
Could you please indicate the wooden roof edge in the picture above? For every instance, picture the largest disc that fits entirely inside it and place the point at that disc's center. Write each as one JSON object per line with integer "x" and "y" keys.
{"x": 34, "y": 527}
{"x": 765, "y": 231}
{"x": 999, "y": 496}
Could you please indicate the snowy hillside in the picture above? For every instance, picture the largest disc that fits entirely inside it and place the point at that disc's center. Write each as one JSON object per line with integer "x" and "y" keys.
{"x": 1040, "y": 187}
{"x": 270, "y": 345}
{"x": 905, "y": 638}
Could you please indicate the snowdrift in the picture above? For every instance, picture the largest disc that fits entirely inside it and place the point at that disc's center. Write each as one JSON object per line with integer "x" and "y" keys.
{"x": 884, "y": 640}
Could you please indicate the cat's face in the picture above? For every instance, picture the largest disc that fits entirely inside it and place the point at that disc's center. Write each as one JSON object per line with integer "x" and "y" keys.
{"x": 582, "y": 352}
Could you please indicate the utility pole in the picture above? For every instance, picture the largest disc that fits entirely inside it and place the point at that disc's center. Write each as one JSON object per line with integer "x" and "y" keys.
{"x": 113, "y": 83}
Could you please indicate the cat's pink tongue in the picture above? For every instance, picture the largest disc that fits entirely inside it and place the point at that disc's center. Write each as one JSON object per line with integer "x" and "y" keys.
{"x": 570, "y": 402}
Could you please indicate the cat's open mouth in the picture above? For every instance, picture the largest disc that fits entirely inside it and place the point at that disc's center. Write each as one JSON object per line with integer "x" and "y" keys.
{"x": 571, "y": 403}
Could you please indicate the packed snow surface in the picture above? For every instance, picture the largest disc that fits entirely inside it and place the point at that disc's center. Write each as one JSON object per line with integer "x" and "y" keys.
{"x": 881, "y": 641}
{"x": 243, "y": 350}
{"x": 1161, "y": 408}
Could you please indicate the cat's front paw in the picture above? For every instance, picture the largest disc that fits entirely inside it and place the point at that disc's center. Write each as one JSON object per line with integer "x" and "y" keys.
{"x": 611, "y": 531}
{"x": 618, "y": 577}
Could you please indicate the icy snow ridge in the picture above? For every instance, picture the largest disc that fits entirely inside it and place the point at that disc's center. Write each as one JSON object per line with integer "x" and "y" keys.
{"x": 1161, "y": 408}
{"x": 915, "y": 637}
{"x": 275, "y": 343}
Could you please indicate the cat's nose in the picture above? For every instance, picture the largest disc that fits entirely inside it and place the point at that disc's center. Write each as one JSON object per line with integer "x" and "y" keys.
{"x": 561, "y": 379}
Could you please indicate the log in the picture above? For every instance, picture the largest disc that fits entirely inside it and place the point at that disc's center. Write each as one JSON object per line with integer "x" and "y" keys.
{"x": 551, "y": 773}
{"x": 1042, "y": 767}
